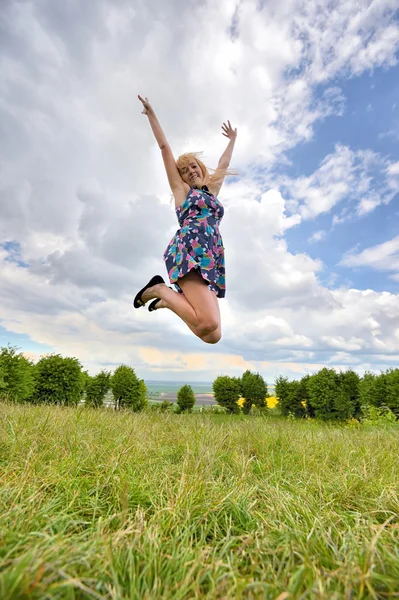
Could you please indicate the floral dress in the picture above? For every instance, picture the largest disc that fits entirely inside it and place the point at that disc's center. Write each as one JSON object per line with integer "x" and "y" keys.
{"x": 198, "y": 243}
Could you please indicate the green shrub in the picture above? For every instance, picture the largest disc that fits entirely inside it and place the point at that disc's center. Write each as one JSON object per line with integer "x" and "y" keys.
{"x": 127, "y": 390}
{"x": 164, "y": 406}
{"x": 377, "y": 415}
{"x": 58, "y": 380}
{"x": 346, "y": 403}
{"x": 253, "y": 390}
{"x": 323, "y": 388}
{"x": 185, "y": 398}
{"x": 96, "y": 389}
{"x": 17, "y": 380}
{"x": 227, "y": 391}
{"x": 392, "y": 390}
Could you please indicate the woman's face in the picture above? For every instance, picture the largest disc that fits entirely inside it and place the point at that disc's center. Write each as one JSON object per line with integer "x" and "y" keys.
{"x": 192, "y": 174}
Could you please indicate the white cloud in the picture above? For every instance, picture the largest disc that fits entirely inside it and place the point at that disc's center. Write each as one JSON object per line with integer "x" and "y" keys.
{"x": 393, "y": 169}
{"x": 84, "y": 193}
{"x": 382, "y": 257}
{"x": 317, "y": 236}
{"x": 360, "y": 180}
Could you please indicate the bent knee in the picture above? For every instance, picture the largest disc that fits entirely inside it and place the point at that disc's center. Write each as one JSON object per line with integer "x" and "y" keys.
{"x": 212, "y": 338}
{"x": 207, "y": 326}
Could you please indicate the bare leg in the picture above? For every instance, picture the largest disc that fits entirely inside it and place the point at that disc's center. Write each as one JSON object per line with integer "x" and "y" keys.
{"x": 198, "y": 306}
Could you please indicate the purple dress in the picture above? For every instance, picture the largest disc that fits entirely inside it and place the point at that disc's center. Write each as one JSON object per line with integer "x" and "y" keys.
{"x": 197, "y": 244}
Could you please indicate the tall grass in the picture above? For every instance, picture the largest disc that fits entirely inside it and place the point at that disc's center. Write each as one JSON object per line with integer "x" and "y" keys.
{"x": 96, "y": 504}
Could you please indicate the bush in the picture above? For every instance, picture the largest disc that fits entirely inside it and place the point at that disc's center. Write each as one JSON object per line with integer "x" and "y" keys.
{"x": 16, "y": 375}
{"x": 323, "y": 388}
{"x": 292, "y": 396}
{"x": 253, "y": 390}
{"x": 164, "y": 406}
{"x": 96, "y": 389}
{"x": 392, "y": 390}
{"x": 346, "y": 403}
{"x": 143, "y": 394}
{"x": 127, "y": 390}
{"x": 58, "y": 380}
{"x": 367, "y": 390}
{"x": 377, "y": 415}
{"x": 227, "y": 391}
{"x": 378, "y": 390}
{"x": 185, "y": 398}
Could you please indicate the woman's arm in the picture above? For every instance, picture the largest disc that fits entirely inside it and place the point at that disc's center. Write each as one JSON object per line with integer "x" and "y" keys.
{"x": 175, "y": 181}
{"x": 230, "y": 133}
{"x": 217, "y": 178}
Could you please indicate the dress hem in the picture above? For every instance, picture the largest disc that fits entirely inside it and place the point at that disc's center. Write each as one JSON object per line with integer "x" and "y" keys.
{"x": 220, "y": 293}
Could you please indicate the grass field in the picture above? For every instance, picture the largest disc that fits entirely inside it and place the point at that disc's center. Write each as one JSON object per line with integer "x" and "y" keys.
{"x": 97, "y": 504}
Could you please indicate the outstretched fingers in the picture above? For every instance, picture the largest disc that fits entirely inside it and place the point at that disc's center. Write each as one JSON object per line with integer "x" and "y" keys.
{"x": 146, "y": 104}
{"x": 228, "y": 131}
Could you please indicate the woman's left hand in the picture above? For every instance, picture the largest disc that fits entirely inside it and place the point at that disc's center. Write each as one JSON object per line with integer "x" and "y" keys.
{"x": 228, "y": 131}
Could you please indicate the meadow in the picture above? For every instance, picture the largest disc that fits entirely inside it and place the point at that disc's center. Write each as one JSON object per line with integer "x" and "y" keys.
{"x": 116, "y": 505}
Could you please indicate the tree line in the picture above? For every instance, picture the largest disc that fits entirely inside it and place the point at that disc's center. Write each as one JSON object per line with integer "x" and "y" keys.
{"x": 329, "y": 395}
{"x": 56, "y": 379}
{"x": 326, "y": 395}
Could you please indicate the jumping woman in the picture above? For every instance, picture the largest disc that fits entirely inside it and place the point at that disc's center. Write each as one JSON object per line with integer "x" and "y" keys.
{"x": 194, "y": 257}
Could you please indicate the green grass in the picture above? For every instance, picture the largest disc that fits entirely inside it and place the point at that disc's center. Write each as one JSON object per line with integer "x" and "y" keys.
{"x": 96, "y": 504}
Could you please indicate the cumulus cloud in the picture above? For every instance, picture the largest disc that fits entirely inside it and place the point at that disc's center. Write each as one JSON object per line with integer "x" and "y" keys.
{"x": 85, "y": 205}
{"x": 361, "y": 180}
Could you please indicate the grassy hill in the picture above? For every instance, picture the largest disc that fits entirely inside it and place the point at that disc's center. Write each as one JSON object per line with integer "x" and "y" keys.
{"x": 98, "y": 504}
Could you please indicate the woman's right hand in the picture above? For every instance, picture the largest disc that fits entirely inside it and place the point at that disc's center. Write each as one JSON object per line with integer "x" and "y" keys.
{"x": 147, "y": 106}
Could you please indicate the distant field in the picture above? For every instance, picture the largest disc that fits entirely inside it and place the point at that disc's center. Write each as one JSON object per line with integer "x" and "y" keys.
{"x": 168, "y": 391}
{"x": 120, "y": 506}
{"x": 160, "y": 391}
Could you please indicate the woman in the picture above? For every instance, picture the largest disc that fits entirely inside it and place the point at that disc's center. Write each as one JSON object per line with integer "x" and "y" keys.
{"x": 194, "y": 257}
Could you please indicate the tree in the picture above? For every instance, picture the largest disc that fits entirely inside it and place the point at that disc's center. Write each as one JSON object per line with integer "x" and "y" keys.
{"x": 392, "y": 390}
{"x": 380, "y": 389}
{"x": 346, "y": 403}
{"x": 185, "y": 398}
{"x": 143, "y": 394}
{"x": 281, "y": 388}
{"x": 298, "y": 397}
{"x": 323, "y": 388}
{"x": 253, "y": 390}
{"x": 58, "y": 380}
{"x": 366, "y": 390}
{"x": 127, "y": 390}
{"x": 97, "y": 388}
{"x": 16, "y": 375}
{"x": 226, "y": 391}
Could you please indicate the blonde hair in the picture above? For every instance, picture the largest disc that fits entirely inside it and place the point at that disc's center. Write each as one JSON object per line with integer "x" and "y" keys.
{"x": 208, "y": 179}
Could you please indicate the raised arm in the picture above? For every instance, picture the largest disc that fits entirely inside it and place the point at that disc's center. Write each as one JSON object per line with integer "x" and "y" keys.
{"x": 230, "y": 133}
{"x": 217, "y": 178}
{"x": 175, "y": 181}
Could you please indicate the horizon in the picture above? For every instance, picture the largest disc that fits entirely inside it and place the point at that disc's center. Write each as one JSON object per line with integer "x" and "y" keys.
{"x": 311, "y": 223}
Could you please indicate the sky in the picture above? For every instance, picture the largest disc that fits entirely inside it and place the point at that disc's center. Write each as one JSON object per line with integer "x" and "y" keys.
{"x": 311, "y": 223}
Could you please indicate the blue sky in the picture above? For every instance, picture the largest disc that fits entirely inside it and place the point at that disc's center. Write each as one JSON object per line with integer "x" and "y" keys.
{"x": 371, "y": 113}
{"x": 22, "y": 341}
{"x": 370, "y": 121}
{"x": 310, "y": 226}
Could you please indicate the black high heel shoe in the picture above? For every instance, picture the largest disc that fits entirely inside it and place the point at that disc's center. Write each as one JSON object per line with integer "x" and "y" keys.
{"x": 137, "y": 302}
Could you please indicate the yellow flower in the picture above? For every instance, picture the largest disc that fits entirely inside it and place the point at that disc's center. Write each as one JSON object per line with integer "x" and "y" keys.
{"x": 271, "y": 401}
